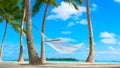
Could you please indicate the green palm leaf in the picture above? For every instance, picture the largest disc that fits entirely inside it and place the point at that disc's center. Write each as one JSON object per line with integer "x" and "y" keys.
{"x": 39, "y": 3}
{"x": 16, "y": 27}
{"x": 80, "y": 1}
{"x": 76, "y": 7}
{"x": 36, "y": 7}
{"x": 1, "y": 20}
{"x": 54, "y": 3}
{"x": 74, "y": 3}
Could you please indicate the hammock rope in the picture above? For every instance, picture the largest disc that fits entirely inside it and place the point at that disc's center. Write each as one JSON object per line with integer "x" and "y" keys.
{"x": 60, "y": 45}
{"x": 63, "y": 47}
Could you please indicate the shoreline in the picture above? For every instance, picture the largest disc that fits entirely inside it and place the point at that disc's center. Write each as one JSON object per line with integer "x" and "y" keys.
{"x": 58, "y": 65}
{"x": 56, "y": 61}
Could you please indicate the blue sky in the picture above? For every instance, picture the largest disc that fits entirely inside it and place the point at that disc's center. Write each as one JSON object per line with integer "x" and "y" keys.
{"x": 71, "y": 25}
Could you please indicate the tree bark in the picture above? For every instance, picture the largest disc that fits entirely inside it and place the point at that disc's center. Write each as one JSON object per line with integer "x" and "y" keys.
{"x": 42, "y": 58}
{"x": 21, "y": 58}
{"x": 4, "y": 36}
{"x": 91, "y": 53}
{"x": 33, "y": 56}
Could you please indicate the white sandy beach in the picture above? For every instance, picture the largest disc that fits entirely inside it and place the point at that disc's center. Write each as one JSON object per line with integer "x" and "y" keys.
{"x": 58, "y": 65}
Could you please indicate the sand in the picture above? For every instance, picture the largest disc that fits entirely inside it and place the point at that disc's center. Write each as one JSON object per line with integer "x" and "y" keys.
{"x": 58, "y": 65}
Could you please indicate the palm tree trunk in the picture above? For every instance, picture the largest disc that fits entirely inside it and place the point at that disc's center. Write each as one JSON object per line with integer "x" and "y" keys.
{"x": 21, "y": 58}
{"x": 4, "y": 36}
{"x": 91, "y": 53}
{"x": 42, "y": 58}
{"x": 33, "y": 56}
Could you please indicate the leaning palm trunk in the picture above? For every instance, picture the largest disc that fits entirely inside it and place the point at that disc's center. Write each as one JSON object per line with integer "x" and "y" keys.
{"x": 33, "y": 56}
{"x": 21, "y": 58}
{"x": 4, "y": 36}
{"x": 91, "y": 53}
{"x": 42, "y": 58}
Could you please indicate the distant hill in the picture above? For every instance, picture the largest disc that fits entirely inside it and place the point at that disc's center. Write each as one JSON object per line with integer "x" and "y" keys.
{"x": 59, "y": 59}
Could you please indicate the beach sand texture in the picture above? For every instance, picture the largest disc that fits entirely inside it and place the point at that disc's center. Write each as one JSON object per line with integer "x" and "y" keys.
{"x": 58, "y": 65}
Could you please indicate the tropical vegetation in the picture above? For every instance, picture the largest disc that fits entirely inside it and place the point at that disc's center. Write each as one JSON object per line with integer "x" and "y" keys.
{"x": 18, "y": 13}
{"x": 10, "y": 16}
{"x": 48, "y": 3}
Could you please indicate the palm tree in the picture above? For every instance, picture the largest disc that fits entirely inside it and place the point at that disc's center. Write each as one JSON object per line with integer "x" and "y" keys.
{"x": 10, "y": 15}
{"x": 42, "y": 58}
{"x": 48, "y": 3}
{"x": 4, "y": 36}
{"x": 91, "y": 53}
{"x": 33, "y": 56}
{"x": 21, "y": 58}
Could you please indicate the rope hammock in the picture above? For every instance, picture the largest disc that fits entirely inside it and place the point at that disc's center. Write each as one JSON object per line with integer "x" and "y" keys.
{"x": 60, "y": 45}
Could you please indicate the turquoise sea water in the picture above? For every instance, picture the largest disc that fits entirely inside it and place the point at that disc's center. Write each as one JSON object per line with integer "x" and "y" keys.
{"x": 101, "y": 62}
{"x": 12, "y": 59}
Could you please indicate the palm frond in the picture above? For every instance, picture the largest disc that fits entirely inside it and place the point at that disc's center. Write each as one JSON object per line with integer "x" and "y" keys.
{"x": 66, "y": 0}
{"x": 16, "y": 27}
{"x": 54, "y": 3}
{"x": 24, "y": 32}
{"x": 75, "y": 6}
{"x": 74, "y": 3}
{"x": 36, "y": 7}
{"x": 2, "y": 12}
{"x": 1, "y": 20}
{"x": 79, "y": 1}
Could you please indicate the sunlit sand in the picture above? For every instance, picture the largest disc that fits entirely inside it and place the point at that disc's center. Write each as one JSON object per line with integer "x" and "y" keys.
{"x": 58, "y": 65}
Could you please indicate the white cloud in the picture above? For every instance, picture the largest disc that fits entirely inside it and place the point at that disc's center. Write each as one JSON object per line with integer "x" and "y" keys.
{"x": 107, "y": 35}
{"x": 63, "y": 39}
{"x": 65, "y": 11}
{"x": 118, "y": 1}
{"x": 108, "y": 38}
{"x": 94, "y": 6}
{"x": 66, "y": 32}
{"x": 83, "y": 22}
{"x": 111, "y": 48}
{"x": 70, "y": 24}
